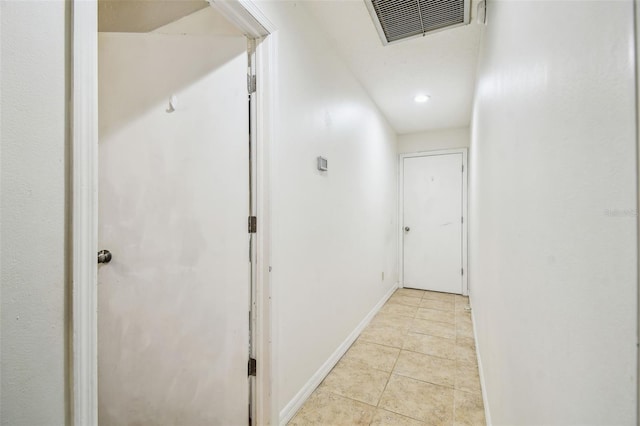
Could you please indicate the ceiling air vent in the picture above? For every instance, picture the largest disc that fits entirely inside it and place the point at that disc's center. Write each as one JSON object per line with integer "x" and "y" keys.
{"x": 397, "y": 20}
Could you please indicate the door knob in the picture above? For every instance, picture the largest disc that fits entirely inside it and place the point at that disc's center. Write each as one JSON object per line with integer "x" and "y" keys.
{"x": 407, "y": 229}
{"x": 104, "y": 256}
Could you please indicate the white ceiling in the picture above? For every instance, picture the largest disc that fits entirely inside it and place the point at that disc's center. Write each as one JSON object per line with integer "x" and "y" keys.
{"x": 442, "y": 65}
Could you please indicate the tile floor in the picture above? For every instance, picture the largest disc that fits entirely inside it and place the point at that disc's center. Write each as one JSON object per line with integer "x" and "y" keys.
{"x": 415, "y": 364}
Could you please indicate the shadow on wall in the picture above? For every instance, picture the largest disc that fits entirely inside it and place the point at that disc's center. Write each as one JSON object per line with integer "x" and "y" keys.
{"x": 139, "y": 72}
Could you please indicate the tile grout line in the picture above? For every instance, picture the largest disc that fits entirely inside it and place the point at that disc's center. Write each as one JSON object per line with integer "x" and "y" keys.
{"x": 393, "y": 302}
{"x": 458, "y": 322}
{"x": 439, "y": 322}
{"x": 433, "y": 356}
{"x": 455, "y": 319}
{"x": 364, "y": 365}
{"x": 389, "y": 379}
{"x": 453, "y": 388}
{"x": 377, "y": 406}
{"x": 391, "y": 372}
{"x": 432, "y": 335}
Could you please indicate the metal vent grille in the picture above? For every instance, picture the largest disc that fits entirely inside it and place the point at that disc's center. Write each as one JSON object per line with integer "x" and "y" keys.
{"x": 400, "y": 19}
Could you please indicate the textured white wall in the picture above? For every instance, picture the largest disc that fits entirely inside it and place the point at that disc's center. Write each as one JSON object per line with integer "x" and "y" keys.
{"x": 433, "y": 140}
{"x": 334, "y": 233}
{"x": 32, "y": 211}
{"x": 553, "y": 199}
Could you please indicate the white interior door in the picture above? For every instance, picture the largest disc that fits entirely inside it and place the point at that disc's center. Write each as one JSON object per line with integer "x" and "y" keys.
{"x": 432, "y": 222}
{"x": 173, "y": 308}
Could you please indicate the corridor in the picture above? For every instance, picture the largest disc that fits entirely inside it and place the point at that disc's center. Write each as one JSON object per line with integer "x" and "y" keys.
{"x": 268, "y": 176}
{"x": 415, "y": 364}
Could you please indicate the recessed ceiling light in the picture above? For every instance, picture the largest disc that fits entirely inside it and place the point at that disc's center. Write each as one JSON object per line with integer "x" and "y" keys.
{"x": 421, "y": 98}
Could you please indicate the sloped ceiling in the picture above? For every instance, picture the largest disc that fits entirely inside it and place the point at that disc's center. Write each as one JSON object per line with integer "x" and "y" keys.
{"x": 141, "y": 16}
{"x": 442, "y": 65}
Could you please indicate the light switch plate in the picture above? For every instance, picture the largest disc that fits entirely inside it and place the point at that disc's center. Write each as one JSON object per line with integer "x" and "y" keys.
{"x": 323, "y": 164}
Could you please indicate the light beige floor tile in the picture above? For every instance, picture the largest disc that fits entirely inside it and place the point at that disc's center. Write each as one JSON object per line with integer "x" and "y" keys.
{"x": 462, "y": 316}
{"x": 439, "y": 371}
{"x": 355, "y": 381}
{"x": 438, "y": 359}
{"x": 466, "y": 341}
{"x": 372, "y": 355}
{"x": 412, "y": 292}
{"x": 325, "y": 408}
{"x": 395, "y": 309}
{"x": 404, "y": 300}
{"x": 467, "y": 378}
{"x": 462, "y": 303}
{"x": 469, "y": 410}
{"x": 383, "y": 335}
{"x": 436, "y": 315}
{"x": 437, "y": 304}
{"x": 427, "y": 402}
{"x": 435, "y": 295}
{"x": 433, "y": 328}
{"x": 430, "y": 345}
{"x": 387, "y": 418}
{"x": 465, "y": 354}
{"x": 399, "y": 322}
{"x": 464, "y": 329}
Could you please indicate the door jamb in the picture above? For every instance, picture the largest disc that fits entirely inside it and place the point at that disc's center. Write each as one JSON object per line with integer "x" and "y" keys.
{"x": 636, "y": 40}
{"x": 266, "y": 53}
{"x": 84, "y": 213}
{"x": 84, "y": 225}
{"x": 465, "y": 223}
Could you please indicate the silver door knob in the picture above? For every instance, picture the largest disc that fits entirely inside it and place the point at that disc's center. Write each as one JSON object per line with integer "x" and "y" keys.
{"x": 104, "y": 256}
{"x": 407, "y": 229}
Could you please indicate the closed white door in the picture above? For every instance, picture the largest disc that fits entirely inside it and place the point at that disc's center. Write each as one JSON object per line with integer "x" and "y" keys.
{"x": 432, "y": 222}
{"x": 173, "y": 304}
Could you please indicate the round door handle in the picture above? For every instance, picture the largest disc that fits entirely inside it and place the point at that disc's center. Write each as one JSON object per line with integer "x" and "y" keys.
{"x": 104, "y": 256}
{"x": 407, "y": 229}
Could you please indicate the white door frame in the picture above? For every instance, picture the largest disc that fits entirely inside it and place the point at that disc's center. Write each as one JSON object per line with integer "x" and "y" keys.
{"x": 84, "y": 174}
{"x": 463, "y": 151}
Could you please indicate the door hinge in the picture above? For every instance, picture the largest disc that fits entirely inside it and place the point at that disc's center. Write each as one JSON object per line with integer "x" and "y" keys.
{"x": 461, "y": 219}
{"x": 252, "y": 367}
{"x": 253, "y": 224}
{"x": 251, "y": 83}
{"x": 463, "y": 168}
{"x": 462, "y": 271}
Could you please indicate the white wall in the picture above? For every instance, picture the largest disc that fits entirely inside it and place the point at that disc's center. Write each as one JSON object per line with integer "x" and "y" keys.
{"x": 433, "y": 140}
{"x": 553, "y": 199}
{"x": 334, "y": 233}
{"x": 32, "y": 209}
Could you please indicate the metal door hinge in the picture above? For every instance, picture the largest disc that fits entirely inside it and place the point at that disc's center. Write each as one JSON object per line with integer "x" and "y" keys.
{"x": 462, "y": 271}
{"x": 252, "y": 367}
{"x": 253, "y": 224}
{"x": 461, "y": 219}
{"x": 463, "y": 168}
{"x": 251, "y": 83}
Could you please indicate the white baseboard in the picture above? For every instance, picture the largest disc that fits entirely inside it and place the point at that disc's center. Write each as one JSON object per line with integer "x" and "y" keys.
{"x": 485, "y": 399}
{"x": 296, "y": 403}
